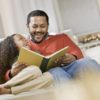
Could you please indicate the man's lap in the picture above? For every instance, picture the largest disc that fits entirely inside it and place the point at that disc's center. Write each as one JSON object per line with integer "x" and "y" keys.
{"x": 73, "y": 69}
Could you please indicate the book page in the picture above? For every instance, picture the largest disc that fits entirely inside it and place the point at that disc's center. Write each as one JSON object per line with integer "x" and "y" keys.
{"x": 56, "y": 55}
{"x": 30, "y": 57}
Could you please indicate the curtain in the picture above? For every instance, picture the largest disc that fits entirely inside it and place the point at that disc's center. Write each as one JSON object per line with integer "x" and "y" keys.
{"x": 13, "y": 14}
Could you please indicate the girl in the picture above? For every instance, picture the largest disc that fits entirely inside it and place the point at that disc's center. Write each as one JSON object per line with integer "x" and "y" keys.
{"x": 30, "y": 77}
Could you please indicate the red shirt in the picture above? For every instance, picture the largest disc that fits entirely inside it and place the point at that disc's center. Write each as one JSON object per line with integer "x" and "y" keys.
{"x": 54, "y": 43}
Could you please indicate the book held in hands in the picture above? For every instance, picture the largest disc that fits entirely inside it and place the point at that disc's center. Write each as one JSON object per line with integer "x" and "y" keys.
{"x": 44, "y": 62}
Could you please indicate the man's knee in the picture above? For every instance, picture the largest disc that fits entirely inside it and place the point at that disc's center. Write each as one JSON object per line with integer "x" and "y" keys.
{"x": 86, "y": 61}
{"x": 87, "y": 64}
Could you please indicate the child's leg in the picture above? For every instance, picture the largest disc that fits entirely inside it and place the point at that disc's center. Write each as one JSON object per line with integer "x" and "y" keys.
{"x": 44, "y": 81}
{"x": 27, "y": 74}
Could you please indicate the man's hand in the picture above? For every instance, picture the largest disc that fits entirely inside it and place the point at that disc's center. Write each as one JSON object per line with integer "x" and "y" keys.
{"x": 17, "y": 67}
{"x": 66, "y": 59}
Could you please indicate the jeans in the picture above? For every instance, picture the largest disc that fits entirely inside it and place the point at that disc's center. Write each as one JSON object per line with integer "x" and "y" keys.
{"x": 61, "y": 74}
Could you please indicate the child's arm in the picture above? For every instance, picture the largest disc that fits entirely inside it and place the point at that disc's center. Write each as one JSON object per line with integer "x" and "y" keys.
{"x": 27, "y": 74}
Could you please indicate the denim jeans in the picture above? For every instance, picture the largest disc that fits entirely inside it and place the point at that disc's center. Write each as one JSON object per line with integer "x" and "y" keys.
{"x": 61, "y": 74}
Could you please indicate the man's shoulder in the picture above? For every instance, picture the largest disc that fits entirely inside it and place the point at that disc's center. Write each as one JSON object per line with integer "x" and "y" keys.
{"x": 60, "y": 35}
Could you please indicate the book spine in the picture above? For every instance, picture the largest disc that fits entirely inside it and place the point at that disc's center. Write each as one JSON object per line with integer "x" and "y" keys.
{"x": 44, "y": 64}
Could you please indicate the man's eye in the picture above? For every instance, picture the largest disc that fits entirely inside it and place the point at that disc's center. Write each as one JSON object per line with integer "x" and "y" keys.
{"x": 34, "y": 26}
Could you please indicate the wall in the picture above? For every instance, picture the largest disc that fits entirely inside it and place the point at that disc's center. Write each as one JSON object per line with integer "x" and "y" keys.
{"x": 1, "y": 29}
{"x": 82, "y": 16}
{"x": 1, "y": 26}
{"x": 14, "y": 12}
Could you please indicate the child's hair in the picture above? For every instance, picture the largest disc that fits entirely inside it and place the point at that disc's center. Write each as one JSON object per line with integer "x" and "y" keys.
{"x": 8, "y": 54}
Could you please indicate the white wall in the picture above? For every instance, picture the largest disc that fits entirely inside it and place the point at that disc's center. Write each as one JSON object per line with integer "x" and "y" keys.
{"x": 1, "y": 26}
{"x": 82, "y": 16}
{"x": 1, "y": 29}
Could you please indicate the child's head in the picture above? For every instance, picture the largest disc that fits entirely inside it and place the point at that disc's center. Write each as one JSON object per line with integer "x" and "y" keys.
{"x": 9, "y": 50}
{"x": 20, "y": 41}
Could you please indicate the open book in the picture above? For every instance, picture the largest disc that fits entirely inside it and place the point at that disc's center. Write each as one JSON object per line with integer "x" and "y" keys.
{"x": 44, "y": 62}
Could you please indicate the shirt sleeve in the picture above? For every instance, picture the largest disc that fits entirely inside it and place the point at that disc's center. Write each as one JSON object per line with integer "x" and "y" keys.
{"x": 73, "y": 48}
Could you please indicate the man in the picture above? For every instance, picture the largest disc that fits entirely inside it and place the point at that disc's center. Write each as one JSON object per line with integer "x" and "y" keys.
{"x": 72, "y": 63}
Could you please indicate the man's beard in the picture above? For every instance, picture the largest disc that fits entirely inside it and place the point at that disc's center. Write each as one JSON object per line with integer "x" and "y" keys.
{"x": 45, "y": 36}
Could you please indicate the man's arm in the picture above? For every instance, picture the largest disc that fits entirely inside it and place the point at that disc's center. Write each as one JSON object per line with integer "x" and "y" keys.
{"x": 73, "y": 48}
{"x": 72, "y": 54}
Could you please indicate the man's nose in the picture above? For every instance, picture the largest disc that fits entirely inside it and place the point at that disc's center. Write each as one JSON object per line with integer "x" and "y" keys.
{"x": 38, "y": 29}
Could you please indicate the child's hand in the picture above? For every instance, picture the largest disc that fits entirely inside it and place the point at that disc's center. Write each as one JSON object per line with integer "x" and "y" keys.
{"x": 4, "y": 90}
{"x": 17, "y": 67}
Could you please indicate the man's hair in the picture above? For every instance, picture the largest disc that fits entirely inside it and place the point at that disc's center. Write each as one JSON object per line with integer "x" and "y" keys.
{"x": 37, "y": 13}
{"x": 8, "y": 54}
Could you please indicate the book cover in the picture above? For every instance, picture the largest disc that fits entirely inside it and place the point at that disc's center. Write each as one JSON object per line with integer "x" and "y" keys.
{"x": 44, "y": 62}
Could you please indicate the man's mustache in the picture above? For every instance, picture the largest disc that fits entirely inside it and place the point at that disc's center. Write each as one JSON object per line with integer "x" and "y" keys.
{"x": 39, "y": 33}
